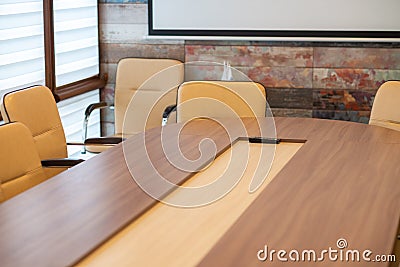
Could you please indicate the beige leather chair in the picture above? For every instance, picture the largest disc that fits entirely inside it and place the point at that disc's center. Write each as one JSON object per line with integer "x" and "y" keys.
{"x": 149, "y": 81}
{"x": 220, "y": 99}
{"x": 20, "y": 166}
{"x": 36, "y": 108}
{"x": 386, "y": 108}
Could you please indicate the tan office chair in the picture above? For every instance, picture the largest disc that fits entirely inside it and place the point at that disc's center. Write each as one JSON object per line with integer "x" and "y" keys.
{"x": 36, "y": 108}
{"x": 150, "y": 81}
{"x": 386, "y": 108}
{"x": 20, "y": 166}
{"x": 220, "y": 99}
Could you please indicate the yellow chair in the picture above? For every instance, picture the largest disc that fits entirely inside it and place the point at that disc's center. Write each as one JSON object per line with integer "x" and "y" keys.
{"x": 36, "y": 108}
{"x": 150, "y": 81}
{"x": 386, "y": 108}
{"x": 220, "y": 99}
{"x": 20, "y": 166}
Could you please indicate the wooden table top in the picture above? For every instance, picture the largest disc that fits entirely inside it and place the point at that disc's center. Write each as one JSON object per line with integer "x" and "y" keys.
{"x": 342, "y": 183}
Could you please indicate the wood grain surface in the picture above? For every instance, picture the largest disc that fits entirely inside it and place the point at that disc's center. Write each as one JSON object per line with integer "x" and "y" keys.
{"x": 343, "y": 182}
{"x": 64, "y": 218}
{"x": 174, "y": 236}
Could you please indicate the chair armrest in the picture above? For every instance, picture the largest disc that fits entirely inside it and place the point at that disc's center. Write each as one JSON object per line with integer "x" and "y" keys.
{"x": 167, "y": 111}
{"x": 75, "y": 144}
{"x": 95, "y": 106}
{"x": 88, "y": 111}
{"x": 110, "y": 141}
{"x": 59, "y": 163}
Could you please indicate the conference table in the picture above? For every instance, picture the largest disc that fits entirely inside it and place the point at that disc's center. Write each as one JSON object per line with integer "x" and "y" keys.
{"x": 311, "y": 192}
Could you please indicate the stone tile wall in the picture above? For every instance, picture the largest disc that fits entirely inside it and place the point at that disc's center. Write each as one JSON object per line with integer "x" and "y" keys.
{"x": 304, "y": 79}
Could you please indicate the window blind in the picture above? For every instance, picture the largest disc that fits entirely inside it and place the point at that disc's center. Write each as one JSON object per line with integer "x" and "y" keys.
{"x": 76, "y": 40}
{"x": 21, "y": 44}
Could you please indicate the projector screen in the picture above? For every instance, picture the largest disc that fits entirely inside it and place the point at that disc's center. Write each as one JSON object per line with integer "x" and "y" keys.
{"x": 373, "y": 19}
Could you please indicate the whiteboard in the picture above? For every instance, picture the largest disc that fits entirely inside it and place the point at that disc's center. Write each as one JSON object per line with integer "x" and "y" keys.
{"x": 276, "y": 18}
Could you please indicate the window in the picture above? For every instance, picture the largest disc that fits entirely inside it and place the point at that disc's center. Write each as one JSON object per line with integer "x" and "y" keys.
{"x": 50, "y": 42}
{"x": 21, "y": 44}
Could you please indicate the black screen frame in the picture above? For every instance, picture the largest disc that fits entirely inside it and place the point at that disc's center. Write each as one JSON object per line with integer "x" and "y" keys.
{"x": 269, "y": 33}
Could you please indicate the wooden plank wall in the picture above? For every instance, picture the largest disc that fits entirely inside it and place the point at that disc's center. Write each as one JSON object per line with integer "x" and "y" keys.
{"x": 303, "y": 79}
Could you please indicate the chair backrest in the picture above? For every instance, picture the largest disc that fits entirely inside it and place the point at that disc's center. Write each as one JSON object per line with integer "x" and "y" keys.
{"x": 36, "y": 108}
{"x": 20, "y": 166}
{"x": 149, "y": 81}
{"x": 386, "y": 108}
{"x": 220, "y": 99}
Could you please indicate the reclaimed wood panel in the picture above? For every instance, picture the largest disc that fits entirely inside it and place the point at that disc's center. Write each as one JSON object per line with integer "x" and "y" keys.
{"x": 290, "y": 98}
{"x": 123, "y": 14}
{"x": 112, "y": 53}
{"x": 357, "y": 58}
{"x": 352, "y": 79}
{"x": 291, "y": 112}
{"x": 255, "y": 56}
